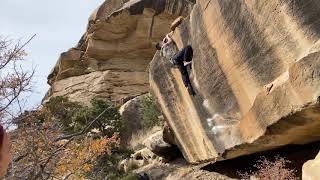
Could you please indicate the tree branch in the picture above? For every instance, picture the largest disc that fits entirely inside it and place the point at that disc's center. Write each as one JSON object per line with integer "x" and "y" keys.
{"x": 84, "y": 130}
{"x": 15, "y": 51}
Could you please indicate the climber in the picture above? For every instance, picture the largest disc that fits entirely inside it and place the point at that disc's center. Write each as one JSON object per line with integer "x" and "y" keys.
{"x": 182, "y": 59}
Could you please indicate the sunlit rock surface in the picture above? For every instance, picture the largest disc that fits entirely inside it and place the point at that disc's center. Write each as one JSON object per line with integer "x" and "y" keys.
{"x": 310, "y": 169}
{"x": 111, "y": 59}
{"x": 256, "y": 72}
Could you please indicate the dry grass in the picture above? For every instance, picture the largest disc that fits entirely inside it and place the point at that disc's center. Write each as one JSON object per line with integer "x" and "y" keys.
{"x": 139, "y": 137}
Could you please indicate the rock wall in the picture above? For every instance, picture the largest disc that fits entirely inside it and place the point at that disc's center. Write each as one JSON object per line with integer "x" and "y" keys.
{"x": 111, "y": 59}
{"x": 256, "y": 74}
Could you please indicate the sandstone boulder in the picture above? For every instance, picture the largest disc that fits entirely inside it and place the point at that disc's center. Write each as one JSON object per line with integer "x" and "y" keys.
{"x": 157, "y": 145}
{"x": 256, "y": 73}
{"x": 138, "y": 160}
{"x": 134, "y": 131}
{"x": 168, "y": 135}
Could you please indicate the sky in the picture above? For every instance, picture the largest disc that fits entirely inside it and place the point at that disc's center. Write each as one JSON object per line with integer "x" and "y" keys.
{"x": 58, "y": 25}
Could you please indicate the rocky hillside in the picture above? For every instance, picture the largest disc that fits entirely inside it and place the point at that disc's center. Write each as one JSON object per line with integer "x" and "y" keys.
{"x": 255, "y": 70}
{"x": 111, "y": 59}
{"x": 256, "y": 74}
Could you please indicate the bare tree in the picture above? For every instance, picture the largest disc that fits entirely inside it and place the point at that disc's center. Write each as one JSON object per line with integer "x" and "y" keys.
{"x": 42, "y": 151}
{"x": 14, "y": 79}
{"x": 40, "y": 147}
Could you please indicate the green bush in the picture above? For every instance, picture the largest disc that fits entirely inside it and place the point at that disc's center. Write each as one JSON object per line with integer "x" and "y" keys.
{"x": 74, "y": 117}
{"x": 150, "y": 113}
{"x": 63, "y": 110}
{"x": 108, "y": 122}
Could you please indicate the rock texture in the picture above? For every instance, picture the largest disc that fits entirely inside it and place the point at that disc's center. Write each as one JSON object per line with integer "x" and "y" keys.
{"x": 139, "y": 159}
{"x": 178, "y": 169}
{"x": 256, "y": 73}
{"x": 132, "y": 117}
{"x": 310, "y": 169}
{"x": 112, "y": 57}
{"x": 168, "y": 135}
{"x": 157, "y": 145}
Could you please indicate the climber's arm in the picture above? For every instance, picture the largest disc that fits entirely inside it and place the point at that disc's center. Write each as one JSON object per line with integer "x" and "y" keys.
{"x": 161, "y": 52}
{"x": 168, "y": 38}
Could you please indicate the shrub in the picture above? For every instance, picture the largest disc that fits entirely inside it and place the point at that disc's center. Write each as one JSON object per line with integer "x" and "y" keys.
{"x": 74, "y": 117}
{"x": 108, "y": 123}
{"x": 50, "y": 153}
{"x": 64, "y": 138}
{"x": 63, "y": 110}
{"x": 266, "y": 170}
{"x": 150, "y": 113}
{"x": 107, "y": 164}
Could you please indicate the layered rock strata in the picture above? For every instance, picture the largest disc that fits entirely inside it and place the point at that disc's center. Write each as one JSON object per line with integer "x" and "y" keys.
{"x": 111, "y": 59}
{"x": 256, "y": 74}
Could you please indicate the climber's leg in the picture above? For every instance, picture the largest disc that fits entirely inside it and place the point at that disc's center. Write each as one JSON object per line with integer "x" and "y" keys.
{"x": 188, "y": 53}
{"x": 185, "y": 54}
{"x": 186, "y": 79}
{"x": 178, "y": 58}
{"x": 190, "y": 90}
{"x": 184, "y": 74}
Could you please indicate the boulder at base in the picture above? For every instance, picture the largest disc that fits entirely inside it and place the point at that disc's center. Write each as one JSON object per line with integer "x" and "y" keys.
{"x": 157, "y": 145}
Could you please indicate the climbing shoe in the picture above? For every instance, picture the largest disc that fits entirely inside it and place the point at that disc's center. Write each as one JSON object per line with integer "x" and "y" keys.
{"x": 190, "y": 90}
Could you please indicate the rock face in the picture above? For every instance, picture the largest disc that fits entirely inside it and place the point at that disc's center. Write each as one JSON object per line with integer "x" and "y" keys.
{"x": 310, "y": 169}
{"x": 256, "y": 71}
{"x": 111, "y": 59}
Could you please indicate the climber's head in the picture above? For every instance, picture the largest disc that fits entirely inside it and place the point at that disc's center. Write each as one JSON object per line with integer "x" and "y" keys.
{"x": 5, "y": 155}
{"x": 158, "y": 46}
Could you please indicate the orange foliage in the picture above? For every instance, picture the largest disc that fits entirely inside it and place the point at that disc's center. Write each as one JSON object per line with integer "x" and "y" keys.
{"x": 38, "y": 154}
{"x": 80, "y": 158}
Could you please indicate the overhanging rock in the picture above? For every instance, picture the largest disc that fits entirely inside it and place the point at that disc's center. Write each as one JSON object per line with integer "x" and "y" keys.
{"x": 256, "y": 71}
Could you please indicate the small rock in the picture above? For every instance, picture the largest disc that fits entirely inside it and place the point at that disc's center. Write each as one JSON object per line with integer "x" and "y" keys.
{"x": 158, "y": 146}
{"x": 310, "y": 169}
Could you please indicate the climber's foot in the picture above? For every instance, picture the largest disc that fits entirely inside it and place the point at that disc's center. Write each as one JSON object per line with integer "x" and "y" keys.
{"x": 190, "y": 90}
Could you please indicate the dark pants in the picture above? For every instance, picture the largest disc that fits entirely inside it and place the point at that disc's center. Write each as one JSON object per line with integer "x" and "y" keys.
{"x": 186, "y": 55}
